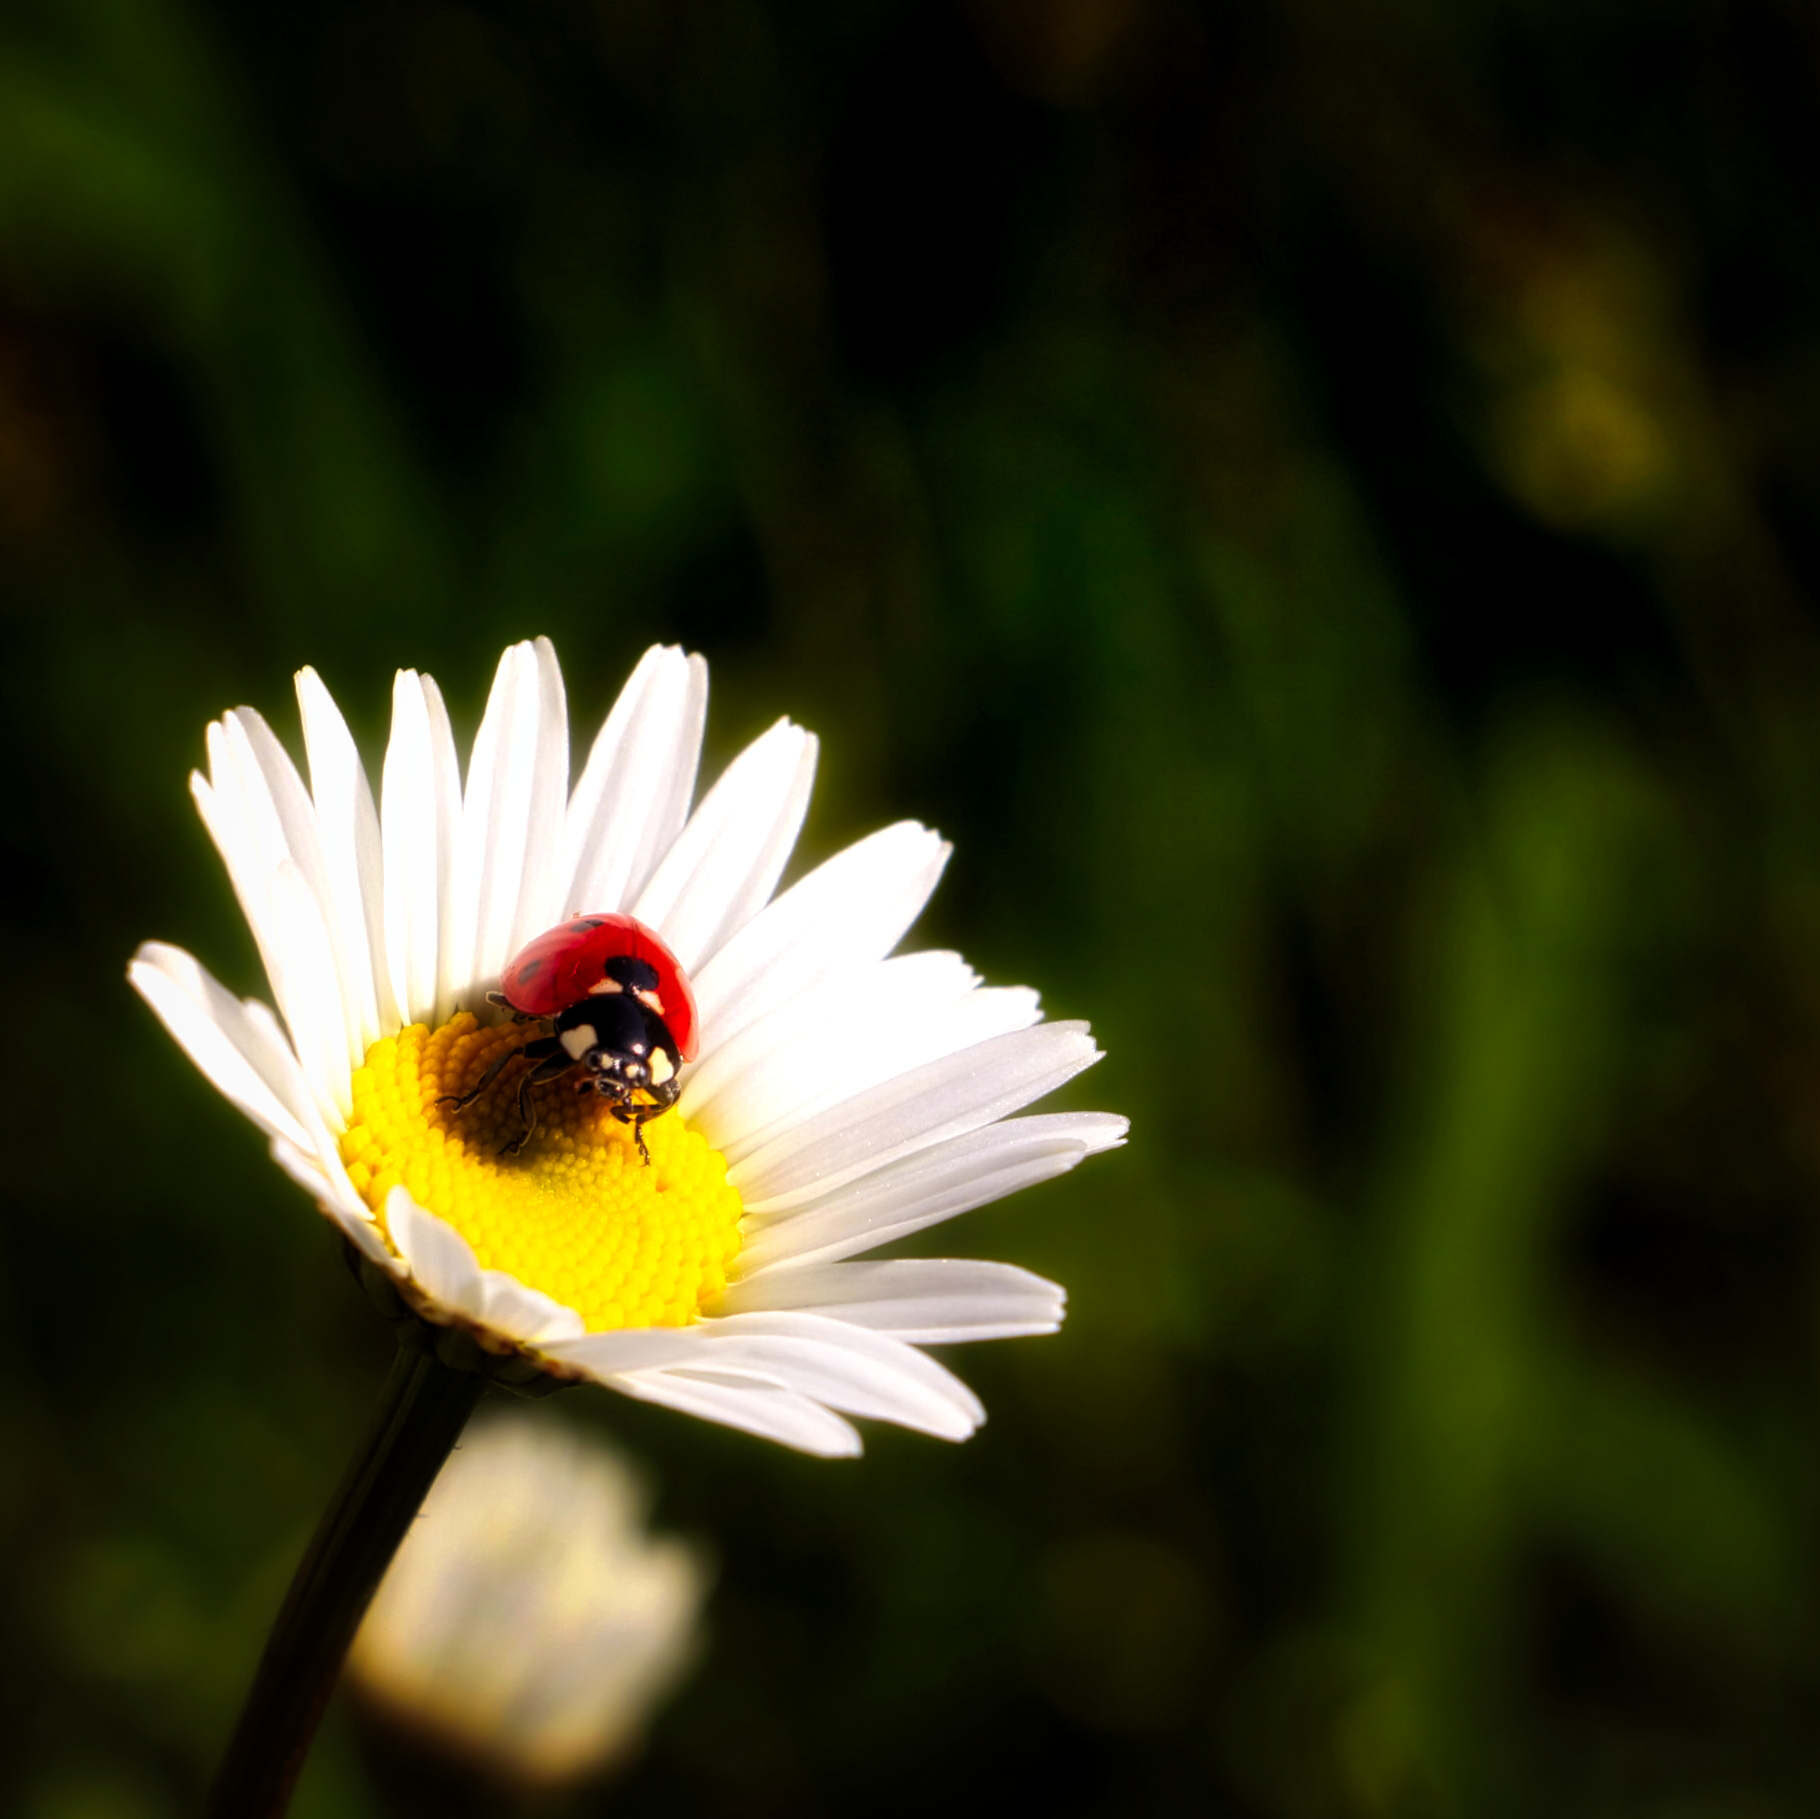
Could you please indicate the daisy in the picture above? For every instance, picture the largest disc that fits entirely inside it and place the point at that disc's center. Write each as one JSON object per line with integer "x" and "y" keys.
{"x": 842, "y": 1096}
{"x": 530, "y": 1622}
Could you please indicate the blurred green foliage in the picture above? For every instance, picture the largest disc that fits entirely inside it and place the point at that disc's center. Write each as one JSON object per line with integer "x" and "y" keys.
{"x": 1320, "y": 503}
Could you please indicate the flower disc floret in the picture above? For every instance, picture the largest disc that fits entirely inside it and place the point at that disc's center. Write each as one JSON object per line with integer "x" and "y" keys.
{"x": 576, "y": 1214}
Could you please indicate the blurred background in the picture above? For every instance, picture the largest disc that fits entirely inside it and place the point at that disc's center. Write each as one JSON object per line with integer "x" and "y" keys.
{"x": 1322, "y": 504}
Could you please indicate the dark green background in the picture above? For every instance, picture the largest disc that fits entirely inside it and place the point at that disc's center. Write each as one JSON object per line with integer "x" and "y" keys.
{"x": 1319, "y": 501}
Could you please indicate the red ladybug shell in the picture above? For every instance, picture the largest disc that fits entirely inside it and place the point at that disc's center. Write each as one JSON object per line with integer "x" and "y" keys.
{"x": 561, "y": 967}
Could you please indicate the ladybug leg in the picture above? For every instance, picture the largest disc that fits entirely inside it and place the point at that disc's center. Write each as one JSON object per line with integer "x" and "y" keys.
{"x": 635, "y": 1115}
{"x": 501, "y": 1002}
{"x": 554, "y": 1062}
{"x": 535, "y": 1051}
{"x": 638, "y": 1116}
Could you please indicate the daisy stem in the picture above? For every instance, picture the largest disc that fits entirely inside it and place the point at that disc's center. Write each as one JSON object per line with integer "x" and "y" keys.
{"x": 422, "y": 1411}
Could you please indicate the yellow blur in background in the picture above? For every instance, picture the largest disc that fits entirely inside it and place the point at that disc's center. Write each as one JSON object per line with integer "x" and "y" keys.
{"x": 531, "y": 1621}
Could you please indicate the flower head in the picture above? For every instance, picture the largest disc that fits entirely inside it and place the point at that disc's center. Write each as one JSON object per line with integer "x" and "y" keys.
{"x": 529, "y": 1620}
{"x": 840, "y": 1096}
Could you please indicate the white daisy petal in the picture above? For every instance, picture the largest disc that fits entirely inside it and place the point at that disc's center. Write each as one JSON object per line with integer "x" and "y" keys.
{"x": 859, "y": 1008}
{"x": 324, "y": 1149}
{"x": 762, "y": 1409}
{"x": 246, "y": 757}
{"x": 365, "y": 1236}
{"x": 211, "y": 1026}
{"x": 927, "y": 1301}
{"x": 726, "y": 862}
{"x": 635, "y": 790}
{"x": 302, "y": 979}
{"x": 467, "y": 875}
{"x": 943, "y": 1099}
{"x": 302, "y": 967}
{"x": 594, "y": 811}
{"x": 808, "y": 1076}
{"x": 438, "y": 1257}
{"x": 641, "y": 1348}
{"x": 348, "y": 826}
{"x": 419, "y": 802}
{"x": 509, "y": 1307}
{"x": 855, "y": 907}
{"x": 241, "y": 857}
{"x": 842, "y": 1366}
{"x": 496, "y": 836}
{"x": 924, "y": 1189}
{"x": 251, "y": 849}
{"x": 304, "y": 1168}
{"x": 451, "y": 980}
{"x": 845, "y": 1367}
{"x": 339, "y": 1201}
{"x": 547, "y": 796}
{"x": 278, "y": 1061}
{"x": 273, "y": 807}
{"x": 420, "y": 808}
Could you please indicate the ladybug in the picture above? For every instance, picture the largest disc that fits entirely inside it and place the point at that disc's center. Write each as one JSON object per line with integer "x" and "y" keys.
{"x": 618, "y": 1005}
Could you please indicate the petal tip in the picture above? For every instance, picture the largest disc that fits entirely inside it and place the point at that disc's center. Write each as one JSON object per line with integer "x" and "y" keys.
{"x": 1111, "y": 1135}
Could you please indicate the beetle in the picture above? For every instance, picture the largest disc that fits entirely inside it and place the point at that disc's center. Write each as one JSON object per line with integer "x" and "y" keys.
{"x": 619, "y": 1007}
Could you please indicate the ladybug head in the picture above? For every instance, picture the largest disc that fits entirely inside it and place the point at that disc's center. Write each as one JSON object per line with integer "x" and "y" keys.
{"x": 623, "y": 1044}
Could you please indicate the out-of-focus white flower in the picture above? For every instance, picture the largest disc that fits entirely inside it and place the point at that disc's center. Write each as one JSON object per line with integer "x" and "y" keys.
{"x": 530, "y": 1621}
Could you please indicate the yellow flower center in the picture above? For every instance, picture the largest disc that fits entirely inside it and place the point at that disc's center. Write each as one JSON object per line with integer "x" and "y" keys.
{"x": 576, "y": 1213}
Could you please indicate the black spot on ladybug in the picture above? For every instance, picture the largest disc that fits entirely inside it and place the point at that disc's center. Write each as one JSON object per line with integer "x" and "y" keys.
{"x": 530, "y": 968}
{"x": 631, "y": 972}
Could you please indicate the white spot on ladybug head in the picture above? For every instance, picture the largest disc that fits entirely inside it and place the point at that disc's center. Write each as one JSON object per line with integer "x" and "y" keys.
{"x": 577, "y": 1041}
{"x": 604, "y": 985}
{"x": 649, "y": 999}
{"x": 661, "y": 1067}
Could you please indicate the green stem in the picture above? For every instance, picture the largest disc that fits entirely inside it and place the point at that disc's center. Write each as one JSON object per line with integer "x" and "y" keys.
{"x": 422, "y": 1411}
